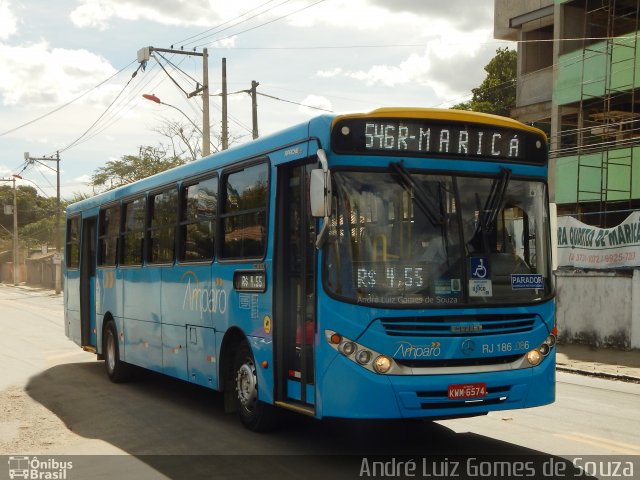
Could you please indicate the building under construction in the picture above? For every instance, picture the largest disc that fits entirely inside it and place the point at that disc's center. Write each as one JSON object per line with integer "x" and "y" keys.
{"x": 579, "y": 80}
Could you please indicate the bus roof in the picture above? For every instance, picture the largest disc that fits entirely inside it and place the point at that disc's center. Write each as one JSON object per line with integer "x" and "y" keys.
{"x": 272, "y": 142}
{"x": 253, "y": 149}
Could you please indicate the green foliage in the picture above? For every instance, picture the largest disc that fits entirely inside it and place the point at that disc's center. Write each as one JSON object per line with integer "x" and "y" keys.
{"x": 131, "y": 168}
{"x": 497, "y": 93}
{"x": 36, "y": 216}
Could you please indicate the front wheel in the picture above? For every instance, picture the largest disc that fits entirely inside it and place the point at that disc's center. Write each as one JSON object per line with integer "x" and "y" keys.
{"x": 256, "y": 415}
{"x": 117, "y": 370}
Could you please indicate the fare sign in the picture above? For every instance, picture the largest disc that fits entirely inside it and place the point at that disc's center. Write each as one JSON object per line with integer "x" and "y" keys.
{"x": 250, "y": 280}
{"x": 467, "y": 390}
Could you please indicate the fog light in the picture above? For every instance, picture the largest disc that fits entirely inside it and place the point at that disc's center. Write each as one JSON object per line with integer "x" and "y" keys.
{"x": 544, "y": 349}
{"x": 347, "y": 348}
{"x": 363, "y": 357}
{"x": 382, "y": 364}
{"x": 534, "y": 357}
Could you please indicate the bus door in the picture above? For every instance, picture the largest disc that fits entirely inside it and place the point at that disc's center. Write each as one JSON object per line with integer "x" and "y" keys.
{"x": 295, "y": 295}
{"x": 87, "y": 282}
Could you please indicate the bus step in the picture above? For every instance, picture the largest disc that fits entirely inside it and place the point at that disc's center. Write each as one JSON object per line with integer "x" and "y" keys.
{"x": 297, "y": 407}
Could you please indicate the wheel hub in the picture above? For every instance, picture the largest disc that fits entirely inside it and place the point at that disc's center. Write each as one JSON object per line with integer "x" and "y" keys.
{"x": 246, "y": 385}
{"x": 111, "y": 353}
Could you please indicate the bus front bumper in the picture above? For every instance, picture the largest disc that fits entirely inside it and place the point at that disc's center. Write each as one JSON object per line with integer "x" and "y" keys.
{"x": 350, "y": 391}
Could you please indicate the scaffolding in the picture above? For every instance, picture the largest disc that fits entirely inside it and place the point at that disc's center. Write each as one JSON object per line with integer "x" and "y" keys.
{"x": 608, "y": 123}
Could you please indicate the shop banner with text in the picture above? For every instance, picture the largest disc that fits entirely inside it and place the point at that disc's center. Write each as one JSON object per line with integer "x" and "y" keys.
{"x": 584, "y": 246}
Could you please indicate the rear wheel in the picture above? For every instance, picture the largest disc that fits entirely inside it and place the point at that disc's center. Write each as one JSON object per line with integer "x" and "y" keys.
{"x": 254, "y": 414}
{"x": 117, "y": 370}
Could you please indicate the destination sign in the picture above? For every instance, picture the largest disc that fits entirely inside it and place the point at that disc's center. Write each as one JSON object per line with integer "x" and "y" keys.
{"x": 440, "y": 139}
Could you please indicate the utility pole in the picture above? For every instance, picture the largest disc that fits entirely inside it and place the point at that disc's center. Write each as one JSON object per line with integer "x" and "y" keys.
{"x": 57, "y": 238}
{"x": 15, "y": 230}
{"x": 225, "y": 120}
{"x": 144, "y": 54}
{"x": 254, "y": 107}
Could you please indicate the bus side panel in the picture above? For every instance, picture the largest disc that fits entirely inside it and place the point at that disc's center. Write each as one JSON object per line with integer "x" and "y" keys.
{"x": 174, "y": 351}
{"x": 142, "y": 290}
{"x": 72, "y": 306}
{"x": 143, "y": 343}
{"x": 108, "y": 300}
{"x": 188, "y": 295}
{"x": 202, "y": 357}
{"x": 252, "y": 313}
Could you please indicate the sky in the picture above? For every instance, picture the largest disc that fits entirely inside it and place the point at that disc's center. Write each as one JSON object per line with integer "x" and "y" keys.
{"x": 66, "y": 69}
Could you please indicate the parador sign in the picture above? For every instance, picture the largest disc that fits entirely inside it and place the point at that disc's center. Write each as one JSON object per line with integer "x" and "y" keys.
{"x": 584, "y": 246}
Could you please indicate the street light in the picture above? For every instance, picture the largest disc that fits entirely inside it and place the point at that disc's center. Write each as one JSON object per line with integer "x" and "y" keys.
{"x": 155, "y": 99}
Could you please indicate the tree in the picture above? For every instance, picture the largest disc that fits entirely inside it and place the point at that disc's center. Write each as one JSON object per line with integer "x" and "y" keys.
{"x": 130, "y": 168}
{"x": 184, "y": 143}
{"x": 36, "y": 216}
{"x": 497, "y": 93}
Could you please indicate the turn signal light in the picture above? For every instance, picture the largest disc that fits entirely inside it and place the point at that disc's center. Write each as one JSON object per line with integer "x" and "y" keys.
{"x": 336, "y": 338}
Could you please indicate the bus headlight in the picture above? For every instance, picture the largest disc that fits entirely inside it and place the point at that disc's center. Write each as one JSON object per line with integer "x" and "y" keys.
{"x": 363, "y": 357}
{"x": 534, "y": 357}
{"x": 359, "y": 354}
{"x": 347, "y": 348}
{"x": 382, "y": 364}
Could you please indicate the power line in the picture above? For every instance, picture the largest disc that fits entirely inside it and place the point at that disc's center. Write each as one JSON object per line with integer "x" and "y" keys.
{"x": 57, "y": 109}
{"x": 262, "y": 24}
{"x": 181, "y": 42}
{"x": 295, "y": 103}
{"x": 103, "y": 113}
{"x": 238, "y": 23}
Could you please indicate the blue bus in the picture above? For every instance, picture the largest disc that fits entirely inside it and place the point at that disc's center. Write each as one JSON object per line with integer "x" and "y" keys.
{"x": 387, "y": 265}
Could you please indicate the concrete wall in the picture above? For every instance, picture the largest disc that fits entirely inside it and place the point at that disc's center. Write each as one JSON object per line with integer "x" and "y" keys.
{"x": 601, "y": 309}
{"x": 505, "y": 10}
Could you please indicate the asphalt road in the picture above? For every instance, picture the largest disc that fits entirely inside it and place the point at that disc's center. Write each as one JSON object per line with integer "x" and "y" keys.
{"x": 56, "y": 400}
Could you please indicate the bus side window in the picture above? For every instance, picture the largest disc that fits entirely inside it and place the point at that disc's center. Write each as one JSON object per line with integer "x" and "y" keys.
{"x": 196, "y": 231}
{"x": 162, "y": 226}
{"x": 73, "y": 242}
{"x": 108, "y": 232}
{"x": 132, "y": 234}
{"x": 244, "y": 212}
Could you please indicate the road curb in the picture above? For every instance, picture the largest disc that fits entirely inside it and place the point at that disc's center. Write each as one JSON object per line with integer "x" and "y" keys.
{"x": 599, "y": 374}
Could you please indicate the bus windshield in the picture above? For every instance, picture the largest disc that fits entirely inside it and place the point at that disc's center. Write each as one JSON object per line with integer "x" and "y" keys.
{"x": 400, "y": 238}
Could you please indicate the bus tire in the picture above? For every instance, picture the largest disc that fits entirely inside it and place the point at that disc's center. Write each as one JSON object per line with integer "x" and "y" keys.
{"x": 117, "y": 370}
{"x": 256, "y": 415}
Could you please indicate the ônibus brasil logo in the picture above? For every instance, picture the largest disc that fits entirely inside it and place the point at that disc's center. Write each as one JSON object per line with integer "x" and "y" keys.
{"x": 35, "y": 469}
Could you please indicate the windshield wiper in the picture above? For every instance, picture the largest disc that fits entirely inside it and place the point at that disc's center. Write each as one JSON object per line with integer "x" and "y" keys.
{"x": 495, "y": 201}
{"x": 420, "y": 194}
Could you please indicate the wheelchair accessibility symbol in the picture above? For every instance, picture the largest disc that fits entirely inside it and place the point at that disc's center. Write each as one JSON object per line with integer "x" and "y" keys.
{"x": 479, "y": 268}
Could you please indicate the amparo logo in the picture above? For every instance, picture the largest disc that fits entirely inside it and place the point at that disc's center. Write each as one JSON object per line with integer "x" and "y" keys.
{"x": 408, "y": 350}
{"x": 208, "y": 299}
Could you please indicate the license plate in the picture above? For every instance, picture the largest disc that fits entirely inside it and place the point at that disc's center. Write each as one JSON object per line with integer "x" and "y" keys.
{"x": 467, "y": 390}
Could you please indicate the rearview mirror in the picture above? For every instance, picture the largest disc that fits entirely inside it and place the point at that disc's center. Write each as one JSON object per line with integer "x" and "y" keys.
{"x": 320, "y": 193}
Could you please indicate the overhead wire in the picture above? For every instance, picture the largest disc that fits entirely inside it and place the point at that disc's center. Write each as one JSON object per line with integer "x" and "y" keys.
{"x": 181, "y": 42}
{"x": 235, "y": 25}
{"x": 102, "y": 114}
{"x": 57, "y": 109}
{"x": 262, "y": 24}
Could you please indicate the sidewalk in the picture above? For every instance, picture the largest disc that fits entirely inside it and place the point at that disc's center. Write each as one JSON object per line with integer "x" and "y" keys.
{"x": 604, "y": 363}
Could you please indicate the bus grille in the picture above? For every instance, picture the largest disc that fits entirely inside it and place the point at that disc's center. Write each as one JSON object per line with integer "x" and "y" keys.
{"x": 459, "y": 326}
{"x": 458, "y": 362}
